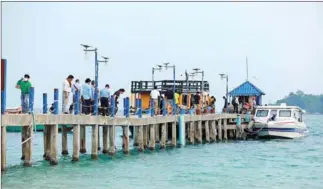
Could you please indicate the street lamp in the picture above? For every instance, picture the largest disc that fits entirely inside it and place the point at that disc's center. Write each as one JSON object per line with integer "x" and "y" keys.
{"x": 88, "y": 48}
{"x": 198, "y": 71}
{"x": 159, "y": 68}
{"x": 225, "y": 76}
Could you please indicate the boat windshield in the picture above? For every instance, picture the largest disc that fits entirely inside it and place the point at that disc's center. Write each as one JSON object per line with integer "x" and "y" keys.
{"x": 262, "y": 113}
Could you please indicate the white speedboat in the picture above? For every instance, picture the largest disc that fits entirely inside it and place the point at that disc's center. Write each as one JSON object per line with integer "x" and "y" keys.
{"x": 279, "y": 122}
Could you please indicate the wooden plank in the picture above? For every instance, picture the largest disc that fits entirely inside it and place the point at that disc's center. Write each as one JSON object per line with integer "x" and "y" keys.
{"x": 152, "y": 139}
{"x": 207, "y": 131}
{"x": 64, "y": 140}
{"x": 174, "y": 142}
{"x": 106, "y": 142}
{"x": 94, "y": 153}
{"x": 76, "y": 143}
{"x": 112, "y": 145}
{"x": 125, "y": 140}
{"x": 83, "y": 138}
{"x": 3, "y": 148}
{"x": 53, "y": 147}
{"x": 192, "y": 132}
{"x": 141, "y": 138}
{"x": 163, "y": 136}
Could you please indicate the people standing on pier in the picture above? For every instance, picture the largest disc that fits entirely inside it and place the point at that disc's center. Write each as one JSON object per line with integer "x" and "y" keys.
{"x": 154, "y": 95}
{"x": 196, "y": 101}
{"x": 24, "y": 85}
{"x": 67, "y": 88}
{"x": 86, "y": 97}
{"x": 212, "y": 104}
{"x": 235, "y": 103}
{"x": 105, "y": 99}
{"x": 76, "y": 88}
{"x": 116, "y": 96}
{"x": 176, "y": 96}
{"x": 225, "y": 103}
{"x": 92, "y": 94}
{"x": 169, "y": 95}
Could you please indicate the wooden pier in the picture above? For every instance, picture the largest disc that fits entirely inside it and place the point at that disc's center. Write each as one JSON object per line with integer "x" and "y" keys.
{"x": 148, "y": 132}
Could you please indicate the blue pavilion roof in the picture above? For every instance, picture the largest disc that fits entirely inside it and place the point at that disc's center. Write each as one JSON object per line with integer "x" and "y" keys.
{"x": 246, "y": 89}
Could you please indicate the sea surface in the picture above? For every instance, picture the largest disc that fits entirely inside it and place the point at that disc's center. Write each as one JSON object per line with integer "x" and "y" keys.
{"x": 283, "y": 164}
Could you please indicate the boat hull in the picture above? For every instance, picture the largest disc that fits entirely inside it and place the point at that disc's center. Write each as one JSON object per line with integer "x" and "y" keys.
{"x": 280, "y": 130}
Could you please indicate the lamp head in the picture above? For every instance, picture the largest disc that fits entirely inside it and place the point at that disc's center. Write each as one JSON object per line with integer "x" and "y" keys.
{"x": 223, "y": 76}
{"x": 85, "y": 46}
{"x": 166, "y": 64}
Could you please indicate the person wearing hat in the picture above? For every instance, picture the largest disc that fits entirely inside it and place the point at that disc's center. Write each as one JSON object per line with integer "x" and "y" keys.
{"x": 24, "y": 85}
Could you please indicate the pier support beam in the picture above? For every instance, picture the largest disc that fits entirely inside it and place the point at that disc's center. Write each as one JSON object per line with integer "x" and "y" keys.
{"x": 64, "y": 140}
{"x": 145, "y": 132}
{"x": 76, "y": 143}
{"x": 136, "y": 136}
{"x": 99, "y": 147}
{"x": 3, "y": 148}
{"x": 28, "y": 147}
{"x": 83, "y": 138}
{"x": 53, "y": 144}
{"x": 125, "y": 141}
{"x": 163, "y": 136}
{"x": 152, "y": 135}
{"x": 225, "y": 128}
{"x": 106, "y": 143}
{"x": 157, "y": 131}
{"x": 174, "y": 142}
{"x": 213, "y": 131}
{"x": 199, "y": 132}
{"x": 141, "y": 138}
{"x": 23, "y": 144}
{"x": 94, "y": 154}
{"x": 220, "y": 129}
{"x": 191, "y": 133}
{"x": 112, "y": 149}
{"x": 207, "y": 131}
{"x": 46, "y": 138}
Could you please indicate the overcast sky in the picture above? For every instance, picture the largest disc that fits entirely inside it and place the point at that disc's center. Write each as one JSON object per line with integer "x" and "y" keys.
{"x": 283, "y": 42}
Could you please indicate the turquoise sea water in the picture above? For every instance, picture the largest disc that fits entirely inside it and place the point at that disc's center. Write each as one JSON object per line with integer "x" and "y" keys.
{"x": 283, "y": 164}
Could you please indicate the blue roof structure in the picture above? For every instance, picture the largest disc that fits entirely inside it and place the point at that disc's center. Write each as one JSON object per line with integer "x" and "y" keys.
{"x": 246, "y": 89}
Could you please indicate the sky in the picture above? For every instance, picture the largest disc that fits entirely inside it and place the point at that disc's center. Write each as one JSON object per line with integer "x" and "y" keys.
{"x": 283, "y": 43}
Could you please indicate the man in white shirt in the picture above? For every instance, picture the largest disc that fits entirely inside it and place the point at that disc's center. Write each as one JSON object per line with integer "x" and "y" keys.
{"x": 67, "y": 88}
{"x": 154, "y": 94}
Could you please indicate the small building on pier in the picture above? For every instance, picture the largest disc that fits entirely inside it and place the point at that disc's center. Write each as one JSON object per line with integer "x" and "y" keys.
{"x": 247, "y": 92}
{"x": 142, "y": 89}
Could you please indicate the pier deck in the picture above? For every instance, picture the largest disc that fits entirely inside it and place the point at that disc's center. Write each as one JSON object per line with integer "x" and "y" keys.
{"x": 147, "y": 132}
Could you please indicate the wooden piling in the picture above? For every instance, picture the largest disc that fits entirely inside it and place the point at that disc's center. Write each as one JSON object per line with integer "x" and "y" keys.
{"x": 112, "y": 149}
{"x": 64, "y": 140}
{"x": 3, "y": 148}
{"x": 136, "y": 138}
{"x": 45, "y": 140}
{"x": 76, "y": 143}
{"x": 94, "y": 154}
{"x": 141, "y": 138}
{"x": 28, "y": 147}
{"x": 213, "y": 131}
{"x": 174, "y": 142}
{"x": 207, "y": 131}
{"x": 53, "y": 144}
{"x": 225, "y": 128}
{"x": 99, "y": 147}
{"x": 220, "y": 129}
{"x": 48, "y": 142}
{"x": 152, "y": 135}
{"x": 192, "y": 129}
{"x": 83, "y": 139}
{"x": 157, "y": 131}
{"x": 199, "y": 128}
{"x": 106, "y": 143}
{"x": 145, "y": 132}
{"x": 163, "y": 136}
{"x": 125, "y": 140}
{"x": 23, "y": 145}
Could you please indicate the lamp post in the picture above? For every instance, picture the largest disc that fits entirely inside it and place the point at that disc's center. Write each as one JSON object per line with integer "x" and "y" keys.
{"x": 159, "y": 68}
{"x": 88, "y": 48}
{"x": 225, "y": 76}
{"x": 198, "y": 71}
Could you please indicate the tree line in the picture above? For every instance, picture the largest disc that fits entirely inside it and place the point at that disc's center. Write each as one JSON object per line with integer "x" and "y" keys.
{"x": 309, "y": 102}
